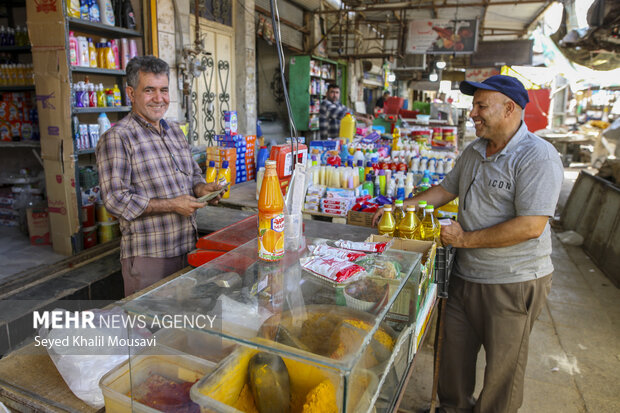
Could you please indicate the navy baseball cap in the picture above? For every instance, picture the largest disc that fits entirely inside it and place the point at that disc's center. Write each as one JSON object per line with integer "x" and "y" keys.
{"x": 506, "y": 85}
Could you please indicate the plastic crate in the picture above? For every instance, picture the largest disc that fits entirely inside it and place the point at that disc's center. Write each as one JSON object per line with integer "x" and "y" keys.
{"x": 443, "y": 266}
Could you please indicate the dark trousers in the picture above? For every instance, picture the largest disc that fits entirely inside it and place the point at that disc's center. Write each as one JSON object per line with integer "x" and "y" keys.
{"x": 499, "y": 317}
{"x": 140, "y": 272}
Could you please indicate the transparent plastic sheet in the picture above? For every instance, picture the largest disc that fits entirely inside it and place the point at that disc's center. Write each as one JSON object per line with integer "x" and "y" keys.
{"x": 82, "y": 367}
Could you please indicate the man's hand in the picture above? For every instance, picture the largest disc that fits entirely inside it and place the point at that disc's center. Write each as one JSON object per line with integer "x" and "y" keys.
{"x": 203, "y": 189}
{"x": 377, "y": 217}
{"x": 185, "y": 205}
{"x": 453, "y": 234}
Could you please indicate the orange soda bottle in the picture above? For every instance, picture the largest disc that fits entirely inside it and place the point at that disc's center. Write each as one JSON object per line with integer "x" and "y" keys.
{"x": 270, "y": 216}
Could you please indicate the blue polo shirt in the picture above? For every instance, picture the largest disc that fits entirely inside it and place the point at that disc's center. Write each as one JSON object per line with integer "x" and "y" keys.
{"x": 524, "y": 178}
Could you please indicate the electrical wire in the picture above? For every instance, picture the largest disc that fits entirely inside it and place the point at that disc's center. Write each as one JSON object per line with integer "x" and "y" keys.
{"x": 275, "y": 21}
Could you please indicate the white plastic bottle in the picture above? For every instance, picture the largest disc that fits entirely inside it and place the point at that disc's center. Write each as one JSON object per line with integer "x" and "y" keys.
{"x": 107, "y": 13}
{"x": 83, "y": 55}
{"x": 104, "y": 123}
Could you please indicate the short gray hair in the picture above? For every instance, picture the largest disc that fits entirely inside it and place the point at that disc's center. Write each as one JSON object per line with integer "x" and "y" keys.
{"x": 146, "y": 64}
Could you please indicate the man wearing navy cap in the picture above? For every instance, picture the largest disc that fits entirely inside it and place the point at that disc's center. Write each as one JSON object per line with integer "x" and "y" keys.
{"x": 508, "y": 183}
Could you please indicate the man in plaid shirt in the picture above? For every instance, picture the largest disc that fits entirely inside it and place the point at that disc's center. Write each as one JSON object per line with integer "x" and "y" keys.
{"x": 150, "y": 181}
{"x": 332, "y": 111}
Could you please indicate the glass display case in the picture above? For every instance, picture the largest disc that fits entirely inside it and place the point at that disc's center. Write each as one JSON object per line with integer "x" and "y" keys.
{"x": 275, "y": 333}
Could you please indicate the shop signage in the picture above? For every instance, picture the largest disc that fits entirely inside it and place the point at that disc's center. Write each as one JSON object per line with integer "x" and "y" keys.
{"x": 435, "y": 36}
{"x": 480, "y": 74}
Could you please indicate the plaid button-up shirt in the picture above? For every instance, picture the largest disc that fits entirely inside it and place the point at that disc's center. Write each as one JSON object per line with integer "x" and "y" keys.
{"x": 136, "y": 163}
{"x": 330, "y": 114}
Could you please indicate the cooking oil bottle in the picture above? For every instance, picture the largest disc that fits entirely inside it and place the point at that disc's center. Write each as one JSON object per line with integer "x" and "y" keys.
{"x": 409, "y": 224}
{"x": 399, "y": 214}
{"x": 429, "y": 230}
{"x": 387, "y": 224}
{"x": 420, "y": 211}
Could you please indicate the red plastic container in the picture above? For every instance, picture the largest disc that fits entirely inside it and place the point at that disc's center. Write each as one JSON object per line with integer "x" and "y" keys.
{"x": 90, "y": 236}
{"x": 88, "y": 215}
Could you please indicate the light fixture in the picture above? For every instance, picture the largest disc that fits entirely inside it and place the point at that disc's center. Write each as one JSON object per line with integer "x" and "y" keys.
{"x": 433, "y": 76}
{"x": 391, "y": 77}
{"x": 440, "y": 64}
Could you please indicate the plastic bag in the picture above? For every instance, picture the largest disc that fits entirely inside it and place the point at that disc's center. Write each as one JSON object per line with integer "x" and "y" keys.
{"x": 376, "y": 247}
{"x": 82, "y": 367}
{"x": 332, "y": 268}
{"x": 327, "y": 251}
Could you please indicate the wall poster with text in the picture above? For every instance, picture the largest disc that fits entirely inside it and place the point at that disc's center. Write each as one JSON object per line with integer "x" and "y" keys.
{"x": 435, "y": 36}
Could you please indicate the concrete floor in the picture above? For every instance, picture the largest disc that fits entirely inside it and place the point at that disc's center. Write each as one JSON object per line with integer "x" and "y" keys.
{"x": 574, "y": 357}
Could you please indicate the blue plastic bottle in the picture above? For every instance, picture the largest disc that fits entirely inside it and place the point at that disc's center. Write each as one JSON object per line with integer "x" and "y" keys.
{"x": 263, "y": 155}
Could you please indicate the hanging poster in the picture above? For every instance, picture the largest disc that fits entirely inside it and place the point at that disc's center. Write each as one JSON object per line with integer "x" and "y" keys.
{"x": 442, "y": 36}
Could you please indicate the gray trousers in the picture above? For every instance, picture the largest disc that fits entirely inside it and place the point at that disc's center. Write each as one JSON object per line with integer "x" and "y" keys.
{"x": 499, "y": 317}
{"x": 140, "y": 272}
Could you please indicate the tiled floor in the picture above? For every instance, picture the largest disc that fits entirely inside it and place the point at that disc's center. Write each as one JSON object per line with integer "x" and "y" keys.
{"x": 17, "y": 255}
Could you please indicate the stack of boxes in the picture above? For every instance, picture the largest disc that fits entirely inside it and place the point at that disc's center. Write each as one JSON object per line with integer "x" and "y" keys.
{"x": 237, "y": 149}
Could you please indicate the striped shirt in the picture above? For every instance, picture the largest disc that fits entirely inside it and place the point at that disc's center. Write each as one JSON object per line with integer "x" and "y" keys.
{"x": 136, "y": 163}
{"x": 330, "y": 114}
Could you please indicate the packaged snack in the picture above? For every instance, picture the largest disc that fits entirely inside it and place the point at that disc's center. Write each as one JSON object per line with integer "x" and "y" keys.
{"x": 332, "y": 269}
{"x": 327, "y": 251}
{"x": 376, "y": 247}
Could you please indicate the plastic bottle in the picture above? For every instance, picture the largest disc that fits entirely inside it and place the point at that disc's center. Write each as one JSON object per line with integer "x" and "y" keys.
{"x": 224, "y": 173}
{"x": 109, "y": 97}
{"x": 400, "y": 188}
{"x": 387, "y": 224}
{"x": 92, "y": 96}
{"x": 92, "y": 53}
{"x": 78, "y": 91}
{"x": 424, "y": 185}
{"x": 211, "y": 172}
{"x": 409, "y": 224}
{"x": 108, "y": 56}
{"x": 83, "y": 57}
{"x": 100, "y": 97}
{"x": 117, "y": 95}
{"x": 85, "y": 99}
{"x": 399, "y": 211}
{"x": 420, "y": 210}
{"x": 107, "y": 12}
{"x": 259, "y": 180}
{"x": 127, "y": 15}
{"x": 368, "y": 185}
{"x": 382, "y": 182}
{"x": 117, "y": 62}
{"x": 104, "y": 123}
{"x": 396, "y": 139}
{"x": 360, "y": 170}
{"x": 84, "y": 14}
{"x": 377, "y": 188}
{"x": 124, "y": 53}
{"x": 429, "y": 230}
{"x": 133, "y": 48}
{"x": 263, "y": 155}
{"x": 73, "y": 50}
{"x": 347, "y": 127}
{"x": 270, "y": 216}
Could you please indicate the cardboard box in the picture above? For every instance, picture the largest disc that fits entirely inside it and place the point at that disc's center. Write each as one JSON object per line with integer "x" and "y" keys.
{"x": 361, "y": 219}
{"x": 38, "y": 226}
{"x": 46, "y": 23}
{"x": 428, "y": 249}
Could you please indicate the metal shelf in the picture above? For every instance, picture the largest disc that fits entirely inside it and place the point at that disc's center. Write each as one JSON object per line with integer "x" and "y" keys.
{"x": 86, "y": 151}
{"x": 100, "y": 29}
{"x": 16, "y": 88}
{"x": 20, "y": 144}
{"x": 97, "y": 70}
{"x": 14, "y": 49}
{"x": 99, "y": 110}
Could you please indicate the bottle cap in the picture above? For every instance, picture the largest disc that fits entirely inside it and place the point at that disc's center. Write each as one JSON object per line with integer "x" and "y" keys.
{"x": 422, "y": 203}
{"x": 270, "y": 164}
{"x": 429, "y": 207}
{"x": 399, "y": 202}
{"x": 360, "y": 163}
{"x": 211, "y": 164}
{"x": 387, "y": 208}
{"x": 410, "y": 208}
{"x": 224, "y": 164}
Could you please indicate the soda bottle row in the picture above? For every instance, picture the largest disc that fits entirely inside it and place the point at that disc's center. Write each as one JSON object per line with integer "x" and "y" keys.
{"x": 110, "y": 12}
{"x": 16, "y": 74}
{"x": 89, "y": 95}
{"x": 14, "y": 36}
{"x": 113, "y": 54}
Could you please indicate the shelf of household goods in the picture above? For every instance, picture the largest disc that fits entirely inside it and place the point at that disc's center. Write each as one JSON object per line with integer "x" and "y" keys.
{"x": 16, "y": 88}
{"x": 100, "y": 29}
{"x": 97, "y": 70}
{"x": 20, "y": 144}
{"x": 86, "y": 151}
{"x": 321, "y": 77}
{"x": 14, "y": 49}
{"x": 102, "y": 109}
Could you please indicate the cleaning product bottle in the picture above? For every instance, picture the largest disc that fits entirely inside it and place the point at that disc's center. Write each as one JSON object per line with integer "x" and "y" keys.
{"x": 73, "y": 8}
{"x": 117, "y": 96}
{"x": 396, "y": 139}
{"x": 368, "y": 185}
{"x": 92, "y": 53}
{"x": 128, "y": 17}
{"x": 104, "y": 123}
{"x": 83, "y": 57}
{"x": 133, "y": 48}
{"x": 377, "y": 188}
{"x": 92, "y": 96}
{"x": 73, "y": 50}
{"x": 387, "y": 225}
{"x": 100, "y": 96}
{"x": 270, "y": 216}
{"x": 407, "y": 227}
{"x": 93, "y": 11}
{"x": 108, "y": 56}
{"x": 107, "y": 12}
{"x": 211, "y": 172}
{"x": 224, "y": 173}
{"x": 124, "y": 53}
{"x": 84, "y": 15}
{"x": 117, "y": 62}
{"x": 360, "y": 170}
{"x": 347, "y": 127}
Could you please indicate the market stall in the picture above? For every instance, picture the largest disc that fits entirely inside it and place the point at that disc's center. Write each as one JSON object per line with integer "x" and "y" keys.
{"x": 273, "y": 299}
